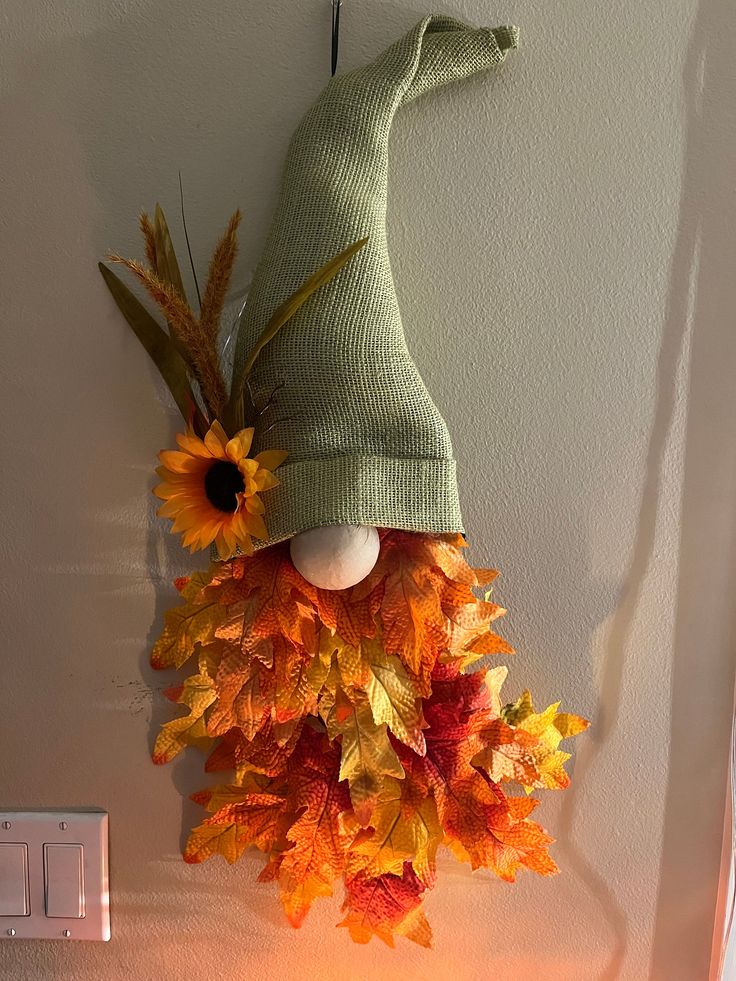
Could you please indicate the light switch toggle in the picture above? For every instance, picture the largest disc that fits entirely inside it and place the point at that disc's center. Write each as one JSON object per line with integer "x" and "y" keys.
{"x": 14, "y": 879}
{"x": 63, "y": 869}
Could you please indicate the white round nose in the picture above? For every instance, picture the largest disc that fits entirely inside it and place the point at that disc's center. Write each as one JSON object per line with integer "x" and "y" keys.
{"x": 336, "y": 556}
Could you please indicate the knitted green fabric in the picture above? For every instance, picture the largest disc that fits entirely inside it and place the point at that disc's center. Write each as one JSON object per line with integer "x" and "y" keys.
{"x": 366, "y": 444}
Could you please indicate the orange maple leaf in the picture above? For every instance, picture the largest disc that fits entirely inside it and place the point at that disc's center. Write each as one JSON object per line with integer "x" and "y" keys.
{"x": 252, "y": 821}
{"x": 262, "y": 754}
{"x": 358, "y": 741}
{"x": 386, "y": 906}
{"x": 322, "y": 833}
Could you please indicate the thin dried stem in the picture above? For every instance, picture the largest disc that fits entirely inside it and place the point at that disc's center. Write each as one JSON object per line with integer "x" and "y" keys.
{"x": 275, "y": 423}
{"x": 272, "y": 399}
{"x": 186, "y": 238}
{"x": 218, "y": 278}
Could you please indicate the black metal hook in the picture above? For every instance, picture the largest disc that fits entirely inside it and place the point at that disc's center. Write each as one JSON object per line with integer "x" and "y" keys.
{"x": 336, "y": 4}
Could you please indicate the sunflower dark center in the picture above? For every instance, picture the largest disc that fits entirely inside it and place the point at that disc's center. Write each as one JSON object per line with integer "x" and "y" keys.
{"x": 222, "y": 482}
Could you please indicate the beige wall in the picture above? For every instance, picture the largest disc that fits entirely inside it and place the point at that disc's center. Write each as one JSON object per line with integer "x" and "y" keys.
{"x": 564, "y": 241}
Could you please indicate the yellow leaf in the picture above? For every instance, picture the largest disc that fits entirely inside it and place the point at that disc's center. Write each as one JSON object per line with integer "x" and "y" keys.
{"x": 399, "y": 834}
{"x": 185, "y": 626}
{"x": 176, "y": 735}
{"x": 494, "y": 679}
{"x": 207, "y": 840}
{"x": 570, "y": 725}
{"x": 223, "y": 795}
{"x": 197, "y": 694}
{"x": 320, "y": 666}
{"x": 354, "y": 666}
{"x": 367, "y": 754}
{"x": 393, "y": 697}
{"x": 548, "y": 728}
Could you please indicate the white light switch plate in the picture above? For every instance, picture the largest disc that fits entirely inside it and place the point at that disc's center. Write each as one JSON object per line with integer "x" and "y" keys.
{"x": 82, "y": 890}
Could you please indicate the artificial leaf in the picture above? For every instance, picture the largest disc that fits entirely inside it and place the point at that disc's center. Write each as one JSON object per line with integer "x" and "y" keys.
{"x": 261, "y": 754}
{"x": 367, "y": 755}
{"x": 547, "y": 729}
{"x": 208, "y": 839}
{"x": 185, "y": 626}
{"x": 351, "y": 618}
{"x": 412, "y": 618}
{"x": 489, "y": 643}
{"x": 393, "y": 698}
{"x": 252, "y": 821}
{"x": 167, "y": 265}
{"x": 215, "y": 798}
{"x": 273, "y": 603}
{"x": 197, "y": 693}
{"x": 295, "y": 676}
{"x": 404, "y": 828}
{"x": 386, "y": 906}
{"x": 284, "y": 313}
{"x": 244, "y": 694}
{"x": 160, "y": 347}
{"x": 508, "y": 753}
{"x": 321, "y": 835}
{"x": 174, "y": 736}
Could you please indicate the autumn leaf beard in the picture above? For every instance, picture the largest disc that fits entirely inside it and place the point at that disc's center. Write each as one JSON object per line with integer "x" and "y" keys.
{"x": 359, "y": 729}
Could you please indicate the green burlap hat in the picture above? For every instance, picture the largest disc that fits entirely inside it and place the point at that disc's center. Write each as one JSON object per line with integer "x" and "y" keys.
{"x": 366, "y": 443}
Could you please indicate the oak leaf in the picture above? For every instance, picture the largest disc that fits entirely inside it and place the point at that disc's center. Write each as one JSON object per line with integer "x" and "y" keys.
{"x": 546, "y": 729}
{"x": 404, "y": 828}
{"x": 321, "y": 834}
{"x": 262, "y": 754}
{"x": 252, "y": 821}
{"x": 193, "y": 622}
{"x": 244, "y": 693}
{"x": 367, "y": 755}
{"x": 386, "y": 906}
{"x": 393, "y": 698}
{"x": 197, "y": 694}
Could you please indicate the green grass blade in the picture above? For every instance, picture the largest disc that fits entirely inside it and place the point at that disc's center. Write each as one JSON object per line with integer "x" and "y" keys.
{"x": 166, "y": 261}
{"x": 283, "y": 314}
{"x": 159, "y": 346}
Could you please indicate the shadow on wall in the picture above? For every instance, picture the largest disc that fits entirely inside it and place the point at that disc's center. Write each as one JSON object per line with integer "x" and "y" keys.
{"x": 125, "y": 170}
{"x": 702, "y": 292}
{"x": 705, "y": 627}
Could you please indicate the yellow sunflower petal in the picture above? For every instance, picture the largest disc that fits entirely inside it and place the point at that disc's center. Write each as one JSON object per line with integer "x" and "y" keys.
{"x": 270, "y": 459}
{"x": 264, "y": 480}
{"x": 242, "y": 537}
{"x": 191, "y": 519}
{"x": 255, "y": 525}
{"x": 216, "y": 440}
{"x": 192, "y": 480}
{"x": 254, "y": 504}
{"x": 223, "y": 550}
{"x": 239, "y": 445}
{"x": 174, "y": 505}
{"x": 201, "y": 535}
{"x": 178, "y": 462}
{"x": 245, "y": 544}
{"x": 194, "y": 445}
{"x": 167, "y": 490}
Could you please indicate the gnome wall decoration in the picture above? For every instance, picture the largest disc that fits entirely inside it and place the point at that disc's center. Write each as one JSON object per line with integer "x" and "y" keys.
{"x": 337, "y": 632}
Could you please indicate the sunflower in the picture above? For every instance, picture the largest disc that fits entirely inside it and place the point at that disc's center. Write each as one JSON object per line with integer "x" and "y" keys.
{"x": 211, "y": 489}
